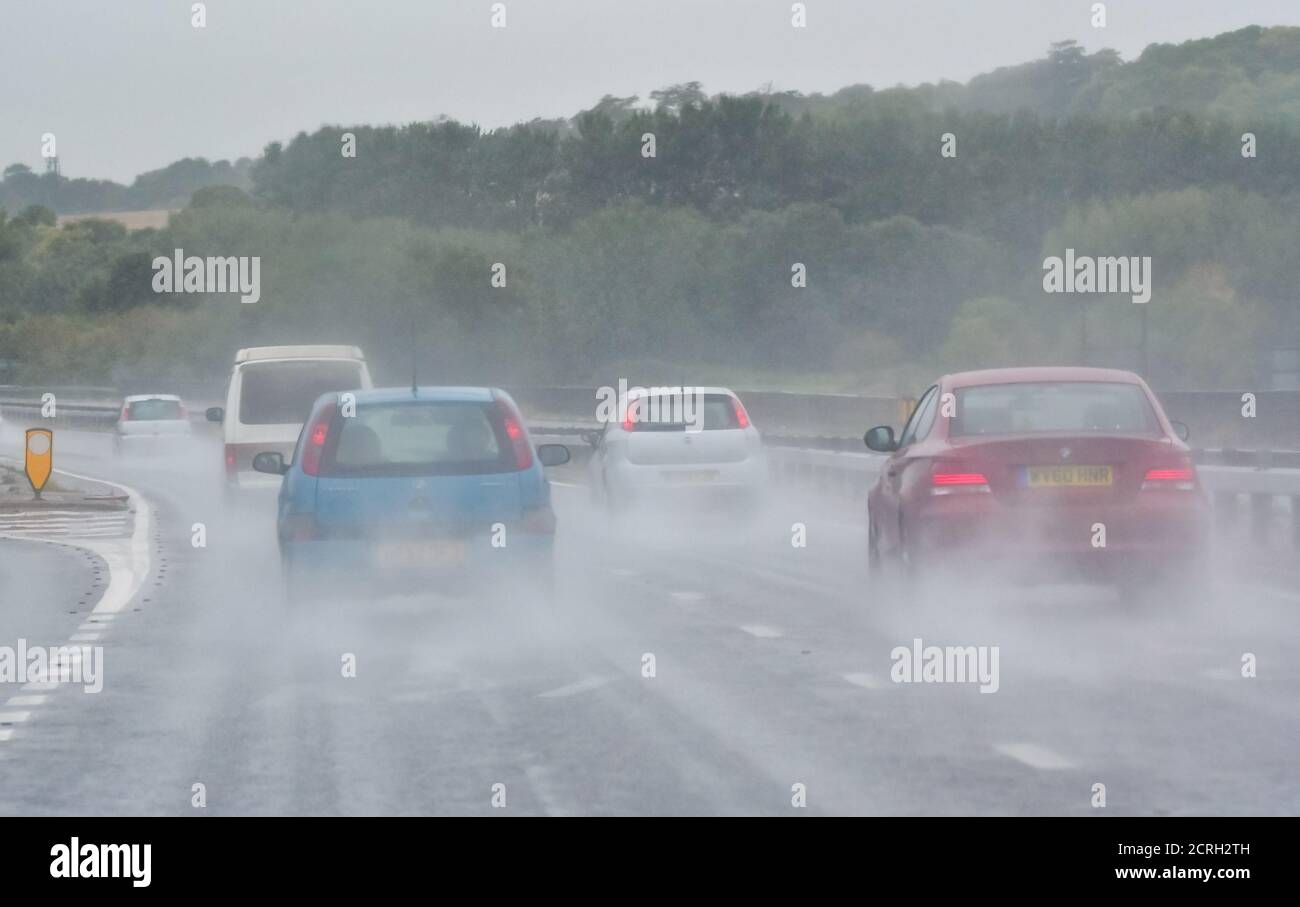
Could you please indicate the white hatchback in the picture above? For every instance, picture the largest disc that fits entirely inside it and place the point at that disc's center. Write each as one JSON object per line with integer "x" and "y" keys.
{"x": 674, "y": 445}
{"x": 151, "y": 423}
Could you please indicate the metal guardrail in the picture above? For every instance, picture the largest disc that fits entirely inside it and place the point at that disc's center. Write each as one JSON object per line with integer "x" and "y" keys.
{"x": 837, "y": 464}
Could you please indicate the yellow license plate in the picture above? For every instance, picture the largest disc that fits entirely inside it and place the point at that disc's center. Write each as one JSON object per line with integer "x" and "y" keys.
{"x": 407, "y": 554}
{"x": 1067, "y": 476}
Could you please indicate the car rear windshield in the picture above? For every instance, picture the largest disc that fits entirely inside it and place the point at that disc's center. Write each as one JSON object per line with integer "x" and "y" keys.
{"x": 1058, "y": 406}
{"x": 669, "y": 412}
{"x": 418, "y": 438}
{"x": 153, "y": 410}
{"x": 274, "y": 393}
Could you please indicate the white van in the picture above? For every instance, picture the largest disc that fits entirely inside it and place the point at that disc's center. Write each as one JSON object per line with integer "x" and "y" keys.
{"x": 270, "y": 395}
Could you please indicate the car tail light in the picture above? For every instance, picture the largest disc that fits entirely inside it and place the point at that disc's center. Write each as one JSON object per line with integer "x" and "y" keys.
{"x": 540, "y": 521}
{"x": 126, "y": 414}
{"x": 1170, "y": 478}
{"x": 631, "y": 414}
{"x": 950, "y": 480}
{"x": 185, "y": 414}
{"x": 742, "y": 417}
{"x": 299, "y": 527}
{"x": 313, "y": 445}
{"x": 516, "y": 433}
{"x": 231, "y": 457}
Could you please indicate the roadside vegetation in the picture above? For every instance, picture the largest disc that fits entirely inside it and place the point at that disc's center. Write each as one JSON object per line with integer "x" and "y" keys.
{"x": 619, "y": 264}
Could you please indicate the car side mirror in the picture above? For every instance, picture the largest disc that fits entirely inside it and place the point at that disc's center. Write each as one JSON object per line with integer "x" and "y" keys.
{"x": 214, "y": 414}
{"x": 552, "y": 454}
{"x": 270, "y": 462}
{"x": 592, "y": 438}
{"x": 1181, "y": 429}
{"x": 881, "y": 438}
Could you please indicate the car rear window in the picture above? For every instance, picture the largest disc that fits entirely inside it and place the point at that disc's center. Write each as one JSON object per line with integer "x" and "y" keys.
{"x": 418, "y": 438}
{"x": 153, "y": 410}
{"x": 1059, "y": 406}
{"x": 664, "y": 412}
{"x": 274, "y": 393}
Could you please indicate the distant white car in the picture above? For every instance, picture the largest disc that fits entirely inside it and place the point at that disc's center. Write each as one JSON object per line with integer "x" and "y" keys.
{"x": 151, "y": 423}
{"x": 657, "y": 452}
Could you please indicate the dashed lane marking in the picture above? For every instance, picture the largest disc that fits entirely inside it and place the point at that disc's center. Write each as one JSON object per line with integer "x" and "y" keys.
{"x": 572, "y": 689}
{"x": 866, "y": 681}
{"x": 1034, "y": 756}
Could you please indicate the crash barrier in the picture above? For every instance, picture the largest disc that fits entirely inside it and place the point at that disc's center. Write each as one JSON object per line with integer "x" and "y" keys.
{"x": 1263, "y": 420}
{"x": 1265, "y": 482}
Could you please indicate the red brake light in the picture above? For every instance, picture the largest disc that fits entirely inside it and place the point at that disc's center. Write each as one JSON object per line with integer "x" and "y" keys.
{"x": 126, "y": 414}
{"x": 959, "y": 478}
{"x": 230, "y": 460}
{"x": 742, "y": 417}
{"x": 519, "y": 440}
{"x": 1169, "y": 475}
{"x": 946, "y": 480}
{"x": 1175, "y": 478}
{"x": 631, "y": 414}
{"x": 317, "y": 434}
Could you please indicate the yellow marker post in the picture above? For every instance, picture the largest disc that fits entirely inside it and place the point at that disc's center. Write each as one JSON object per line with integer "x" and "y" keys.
{"x": 40, "y": 457}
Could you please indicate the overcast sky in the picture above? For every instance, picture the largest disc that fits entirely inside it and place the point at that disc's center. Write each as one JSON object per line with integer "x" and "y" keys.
{"x": 130, "y": 85}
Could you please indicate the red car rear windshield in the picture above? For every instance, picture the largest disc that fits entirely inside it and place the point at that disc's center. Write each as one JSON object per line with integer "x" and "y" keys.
{"x": 1085, "y": 407}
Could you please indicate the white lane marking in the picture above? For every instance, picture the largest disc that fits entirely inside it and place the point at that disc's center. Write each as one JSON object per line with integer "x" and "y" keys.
{"x": 687, "y": 596}
{"x": 1220, "y": 674}
{"x": 40, "y": 686}
{"x": 866, "y": 681}
{"x": 581, "y": 686}
{"x": 622, "y": 571}
{"x": 566, "y": 484}
{"x": 128, "y": 569}
{"x": 128, "y": 560}
{"x": 26, "y": 700}
{"x": 1034, "y": 756}
{"x": 762, "y": 631}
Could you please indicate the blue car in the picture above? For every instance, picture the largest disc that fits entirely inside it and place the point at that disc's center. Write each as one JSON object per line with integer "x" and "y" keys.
{"x": 430, "y": 488}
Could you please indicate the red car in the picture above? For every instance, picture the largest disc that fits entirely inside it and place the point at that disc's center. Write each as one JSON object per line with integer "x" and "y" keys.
{"x": 1047, "y": 472}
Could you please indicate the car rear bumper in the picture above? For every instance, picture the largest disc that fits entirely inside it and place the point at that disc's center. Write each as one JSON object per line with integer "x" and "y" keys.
{"x": 411, "y": 565}
{"x": 1165, "y": 525}
{"x": 688, "y": 477}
